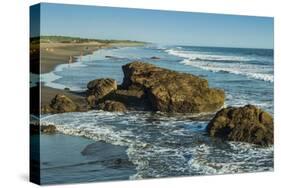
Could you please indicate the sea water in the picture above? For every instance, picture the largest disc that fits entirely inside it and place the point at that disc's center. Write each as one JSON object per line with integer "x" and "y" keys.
{"x": 164, "y": 145}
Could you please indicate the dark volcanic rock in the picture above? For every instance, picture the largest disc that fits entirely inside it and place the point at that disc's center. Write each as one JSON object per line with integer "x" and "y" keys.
{"x": 111, "y": 156}
{"x": 112, "y": 106}
{"x": 245, "y": 124}
{"x": 99, "y": 88}
{"x": 60, "y": 104}
{"x": 171, "y": 91}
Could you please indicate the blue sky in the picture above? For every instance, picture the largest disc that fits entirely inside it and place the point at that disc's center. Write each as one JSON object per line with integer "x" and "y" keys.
{"x": 164, "y": 27}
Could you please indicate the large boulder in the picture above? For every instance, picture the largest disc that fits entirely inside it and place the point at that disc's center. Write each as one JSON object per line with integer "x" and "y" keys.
{"x": 61, "y": 103}
{"x": 112, "y": 106}
{"x": 97, "y": 89}
{"x": 171, "y": 91}
{"x": 134, "y": 98}
{"x": 244, "y": 124}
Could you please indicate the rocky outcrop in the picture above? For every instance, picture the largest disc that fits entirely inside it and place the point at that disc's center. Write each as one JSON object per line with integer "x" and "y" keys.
{"x": 171, "y": 91}
{"x": 134, "y": 98}
{"x": 62, "y": 103}
{"x": 97, "y": 89}
{"x": 112, "y": 106}
{"x": 145, "y": 87}
{"x": 244, "y": 124}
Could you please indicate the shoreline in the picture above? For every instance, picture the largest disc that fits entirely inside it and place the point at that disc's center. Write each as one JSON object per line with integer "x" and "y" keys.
{"x": 55, "y": 54}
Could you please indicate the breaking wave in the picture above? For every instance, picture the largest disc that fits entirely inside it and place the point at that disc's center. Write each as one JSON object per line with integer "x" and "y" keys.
{"x": 164, "y": 146}
{"x": 239, "y": 69}
{"x": 239, "y": 65}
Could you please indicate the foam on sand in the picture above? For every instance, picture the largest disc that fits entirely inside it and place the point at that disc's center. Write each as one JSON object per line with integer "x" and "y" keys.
{"x": 163, "y": 146}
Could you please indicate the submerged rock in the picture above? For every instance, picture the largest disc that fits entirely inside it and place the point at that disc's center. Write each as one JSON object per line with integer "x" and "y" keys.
{"x": 97, "y": 89}
{"x": 171, "y": 91}
{"x": 111, "y": 156}
{"x": 154, "y": 57}
{"x": 245, "y": 124}
{"x": 112, "y": 57}
{"x": 61, "y": 103}
{"x": 112, "y": 106}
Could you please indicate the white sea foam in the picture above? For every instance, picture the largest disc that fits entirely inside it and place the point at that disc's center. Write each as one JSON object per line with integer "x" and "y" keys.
{"x": 241, "y": 154}
{"x": 225, "y": 63}
{"x": 206, "y": 56}
{"x": 251, "y": 71}
{"x": 242, "y": 100}
{"x": 163, "y": 147}
{"x": 48, "y": 79}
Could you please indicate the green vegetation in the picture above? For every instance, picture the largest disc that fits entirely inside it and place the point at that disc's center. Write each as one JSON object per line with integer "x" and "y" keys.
{"x": 67, "y": 39}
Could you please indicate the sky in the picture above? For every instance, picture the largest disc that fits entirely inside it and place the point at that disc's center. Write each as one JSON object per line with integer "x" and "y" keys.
{"x": 162, "y": 27}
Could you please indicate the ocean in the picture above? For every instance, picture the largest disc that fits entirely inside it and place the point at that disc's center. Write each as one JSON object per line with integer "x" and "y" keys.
{"x": 159, "y": 144}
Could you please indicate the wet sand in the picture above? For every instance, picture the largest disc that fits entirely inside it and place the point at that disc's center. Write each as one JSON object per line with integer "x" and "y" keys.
{"x": 72, "y": 159}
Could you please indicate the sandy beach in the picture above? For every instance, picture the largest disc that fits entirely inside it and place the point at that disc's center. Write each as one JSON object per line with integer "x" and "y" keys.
{"x": 53, "y": 53}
